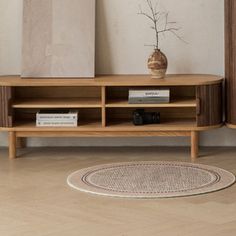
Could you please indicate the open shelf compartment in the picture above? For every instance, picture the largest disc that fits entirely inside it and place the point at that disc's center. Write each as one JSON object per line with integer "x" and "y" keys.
{"x": 57, "y": 97}
{"x": 180, "y": 97}
{"x": 55, "y": 103}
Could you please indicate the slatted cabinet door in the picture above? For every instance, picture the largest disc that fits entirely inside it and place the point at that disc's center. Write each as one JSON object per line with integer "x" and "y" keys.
{"x": 209, "y": 105}
{"x": 6, "y": 111}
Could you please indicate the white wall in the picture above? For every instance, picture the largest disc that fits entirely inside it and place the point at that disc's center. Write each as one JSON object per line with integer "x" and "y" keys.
{"x": 121, "y": 36}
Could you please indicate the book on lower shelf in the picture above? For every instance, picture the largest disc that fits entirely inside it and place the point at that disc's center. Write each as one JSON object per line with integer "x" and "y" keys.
{"x": 154, "y": 96}
{"x": 57, "y": 118}
{"x": 56, "y": 123}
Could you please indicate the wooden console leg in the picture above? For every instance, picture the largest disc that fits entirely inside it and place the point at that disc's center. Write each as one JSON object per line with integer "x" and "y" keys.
{"x": 12, "y": 145}
{"x": 194, "y": 145}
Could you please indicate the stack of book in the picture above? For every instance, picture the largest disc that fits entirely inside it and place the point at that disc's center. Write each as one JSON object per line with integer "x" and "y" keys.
{"x": 149, "y": 96}
{"x": 57, "y": 118}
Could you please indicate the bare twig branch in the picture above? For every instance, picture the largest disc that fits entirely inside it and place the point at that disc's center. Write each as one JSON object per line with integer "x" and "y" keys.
{"x": 144, "y": 14}
{"x": 177, "y": 36}
{"x": 150, "y": 45}
{"x": 160, "y": 22}
{"x": 169, "y": 29}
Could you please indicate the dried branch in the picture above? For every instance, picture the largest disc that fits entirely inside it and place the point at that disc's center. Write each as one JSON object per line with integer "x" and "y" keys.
{"x": 156, "y": 17}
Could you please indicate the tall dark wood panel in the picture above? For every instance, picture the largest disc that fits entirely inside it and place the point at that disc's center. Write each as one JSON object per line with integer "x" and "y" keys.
{"x": 209, "y": 110}
{"x": 230, "y": 60}
{"x": 6, "y": 113}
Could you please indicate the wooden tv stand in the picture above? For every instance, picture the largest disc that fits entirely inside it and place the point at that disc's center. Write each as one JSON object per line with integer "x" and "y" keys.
{"x": 104, "y": 111}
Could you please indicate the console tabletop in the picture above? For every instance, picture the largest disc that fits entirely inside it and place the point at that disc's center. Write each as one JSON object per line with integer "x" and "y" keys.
{"x": 113, "y": 80}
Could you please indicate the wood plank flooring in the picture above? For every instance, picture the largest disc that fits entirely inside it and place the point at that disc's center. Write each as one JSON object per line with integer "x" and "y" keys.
{"x": 35, "y": 199}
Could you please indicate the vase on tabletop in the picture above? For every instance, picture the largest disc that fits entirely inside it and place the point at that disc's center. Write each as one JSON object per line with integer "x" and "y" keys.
{"x": 157, "y": 64}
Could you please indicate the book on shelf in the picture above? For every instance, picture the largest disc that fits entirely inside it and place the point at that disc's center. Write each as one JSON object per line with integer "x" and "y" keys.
{"x": 57, "y": 115}
{"x": 149, "y": 96}
{"x": 57, "y": 118}
{"x": 56, "y": 123}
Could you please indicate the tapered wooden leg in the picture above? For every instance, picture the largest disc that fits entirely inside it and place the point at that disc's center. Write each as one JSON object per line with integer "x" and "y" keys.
{"x": 12, "y": 145}
{"x": 194, "y": 145}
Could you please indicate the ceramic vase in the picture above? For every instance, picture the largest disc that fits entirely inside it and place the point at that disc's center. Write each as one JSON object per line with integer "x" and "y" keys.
{"x": 157, "y": 64}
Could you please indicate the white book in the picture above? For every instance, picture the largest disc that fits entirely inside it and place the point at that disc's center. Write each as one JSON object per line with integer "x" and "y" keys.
{"x": 149, "y": 93}
{"x": 56, "y": 120}
{"x": 56, "y": 124}
{"x": 150, "y": 100}
{"x": 57, "y": 116}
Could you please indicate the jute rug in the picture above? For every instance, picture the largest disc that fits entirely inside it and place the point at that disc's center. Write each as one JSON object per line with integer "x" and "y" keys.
{"x": 151, "y": 179}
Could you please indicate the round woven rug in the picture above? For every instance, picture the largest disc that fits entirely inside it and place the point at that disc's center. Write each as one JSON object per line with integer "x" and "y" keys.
{"x": 151, "y": 179}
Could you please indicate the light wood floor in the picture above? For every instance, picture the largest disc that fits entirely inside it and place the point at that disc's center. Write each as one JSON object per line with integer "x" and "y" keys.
{"x": 36, "y": 201}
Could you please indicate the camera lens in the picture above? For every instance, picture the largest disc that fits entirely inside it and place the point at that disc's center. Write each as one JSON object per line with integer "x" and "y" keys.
{"x": 140, "y": 117}
{"x": 152, "y": 118}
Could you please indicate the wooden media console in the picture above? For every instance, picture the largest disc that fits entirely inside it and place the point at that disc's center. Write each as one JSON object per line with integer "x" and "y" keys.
{"x": 104, "y": 111}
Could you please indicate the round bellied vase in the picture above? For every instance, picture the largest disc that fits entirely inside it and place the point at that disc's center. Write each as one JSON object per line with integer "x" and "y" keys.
{"x": 157, "y": 64}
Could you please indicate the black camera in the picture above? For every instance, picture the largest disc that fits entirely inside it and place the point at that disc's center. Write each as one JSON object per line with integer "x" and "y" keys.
{"x": 140, "y": 117}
